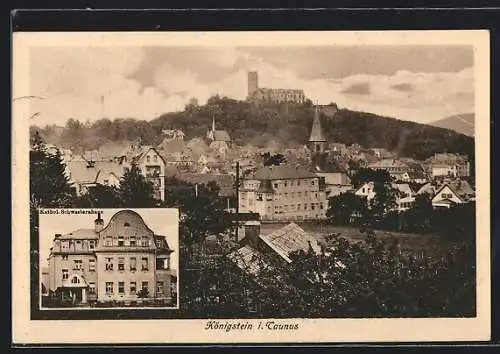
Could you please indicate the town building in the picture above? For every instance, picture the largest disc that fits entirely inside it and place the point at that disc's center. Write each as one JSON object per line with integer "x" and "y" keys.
{"x": 336, "y": 182}
{"x": 283, "y": 192}
{"x": 259, "y": 250}
{"x": 393, "y": 166}
{"x": 453, "y": 193}
{"x": 275, "y": 95}
{"x": 122, "y": 262}
{"x": 219, "y": 140}
{"x": 404, "y": 196}
{"x": 173, "y": 134}
{"x": 151, "y": 164}
{"x": 448, "y": 165}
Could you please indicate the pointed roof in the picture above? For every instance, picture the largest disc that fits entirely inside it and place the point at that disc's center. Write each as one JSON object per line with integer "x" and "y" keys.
{"x": 316, "y": 131}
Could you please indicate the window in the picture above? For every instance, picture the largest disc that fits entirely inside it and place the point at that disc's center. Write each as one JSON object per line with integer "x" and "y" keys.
{"x": 121, "y": 287}
{"x": 133, "y": 287}
{"x": 145, "y": 286}
{"x": 148, "y": 158}
{"x": 133, "y": 264}
{"x": 77, "y": 264}
{"x": 276, "y": 185}
{"x": 321, "y": 205}
{"x": 286, "y": 184}
{"x": 313, "y": 206}
{"x": 65, "y": 274}
{"x": 292, "y": 195}
{"x": 75, "y": 280}
{"x": 298, "y": 206}
{"x": 286, "y": 195}
{"x": 305, "y": 206}
{"x": 109, "y": 241}
{"x": 299, "y": 195}
{"x": 91, "y": 244}
{"x": 144, "y": 264}
{"x": 109, "y": 263}
{"x": 144, "y": 241}
{"x": 155, "y": 158}
{"x": 65, "y": 257}
{"x": 364, "y": 190}
{"x": 133, "y": 241}
{"x": 298, "y": 183}
{"x": 159, "y": 287}
{"x": 109, "y": 288}
{"x": 91, "y": 265}
{"x": 120, "y": 241}
{"x": 313, "y": 182}
{"x": 91, "y": 288}
{"x": 121, "y": 263}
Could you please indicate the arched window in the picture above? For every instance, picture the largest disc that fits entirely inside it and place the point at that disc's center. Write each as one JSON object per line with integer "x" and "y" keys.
{"x": 75, "y": 280}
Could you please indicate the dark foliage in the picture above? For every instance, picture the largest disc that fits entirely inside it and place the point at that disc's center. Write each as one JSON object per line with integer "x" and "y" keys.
{"x": 287, "y": 124}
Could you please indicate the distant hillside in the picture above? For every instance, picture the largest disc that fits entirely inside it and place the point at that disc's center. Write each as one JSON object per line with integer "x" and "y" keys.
{"x": 286, "y": 125}
{"x": 289, "y": 125}
{"x": 462, "y": 123}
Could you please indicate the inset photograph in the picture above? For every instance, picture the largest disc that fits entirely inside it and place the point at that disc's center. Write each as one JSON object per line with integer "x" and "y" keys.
{"x": 108, "y": 258}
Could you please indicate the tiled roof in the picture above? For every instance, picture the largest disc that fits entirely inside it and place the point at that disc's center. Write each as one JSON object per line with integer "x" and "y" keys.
{"x": 289, "y": 239}
{"x": 387, "y": 163}
{"x": 80, "y": 234}
{"x": 81, "y": 173}
{"x": 281, "y": 172}
{"x": 248, "y": 259}
{"x": 221, "y": 135}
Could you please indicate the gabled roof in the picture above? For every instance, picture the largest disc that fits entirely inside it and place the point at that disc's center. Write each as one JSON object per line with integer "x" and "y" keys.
{"x": 249, "y": 260}
{"x": 316, "y": 131}
{"x": 82, "y": 174}
{"x": 387, "y": 163}
{"x": 460, "y": 188}
{"x": 288, "y": 239}
{"x": 281, "y": 172}
{"x": 221, "y": 135}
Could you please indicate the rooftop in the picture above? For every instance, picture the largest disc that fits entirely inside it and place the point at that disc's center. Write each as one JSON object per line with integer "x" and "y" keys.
{"x": 288, "y": 239}
{"x": 80, "y": 234}
{"x": 280, "y": 172}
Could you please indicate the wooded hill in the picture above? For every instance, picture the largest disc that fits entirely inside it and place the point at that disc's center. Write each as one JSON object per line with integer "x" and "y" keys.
{"x": 285, "y": 125}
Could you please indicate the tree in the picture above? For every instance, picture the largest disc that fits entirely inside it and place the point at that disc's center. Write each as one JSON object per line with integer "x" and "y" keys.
{"x": 202, "y": 210}
{"x": 49, "y": 188}
{"x": 100, "y": 196}
{"x": 342, "y": 208}
{"x": 270, "y": 160}
{"x": 135, "y": 191}
{"x": 49, "y": 185}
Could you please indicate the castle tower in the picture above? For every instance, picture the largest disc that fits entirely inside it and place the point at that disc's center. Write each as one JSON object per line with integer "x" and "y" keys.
{"x": 317, "y": 140}
{"x": 253, "y": 82}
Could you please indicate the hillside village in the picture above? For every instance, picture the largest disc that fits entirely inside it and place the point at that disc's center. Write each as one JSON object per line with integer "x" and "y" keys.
{"x": 272, "y": 181}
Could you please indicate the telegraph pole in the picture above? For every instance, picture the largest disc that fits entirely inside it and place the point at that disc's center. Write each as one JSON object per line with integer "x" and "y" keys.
{"x": 237, "y": 187}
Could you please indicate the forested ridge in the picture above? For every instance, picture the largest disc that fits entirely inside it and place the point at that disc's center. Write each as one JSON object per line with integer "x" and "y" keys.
{"x": 285, "y": 125}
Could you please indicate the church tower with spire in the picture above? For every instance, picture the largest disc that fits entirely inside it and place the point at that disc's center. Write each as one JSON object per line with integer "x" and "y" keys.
{"x": 317, "y": 140}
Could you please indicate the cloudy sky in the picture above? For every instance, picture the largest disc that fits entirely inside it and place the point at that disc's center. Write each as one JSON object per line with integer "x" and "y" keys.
{"x": 417, "y": 83}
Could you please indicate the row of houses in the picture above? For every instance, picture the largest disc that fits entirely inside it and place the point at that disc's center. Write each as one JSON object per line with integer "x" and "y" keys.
{"x": 290, "y": 193}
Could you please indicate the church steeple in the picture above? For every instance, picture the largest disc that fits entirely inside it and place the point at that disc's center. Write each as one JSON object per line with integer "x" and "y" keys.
{"x": 317, "y": 140}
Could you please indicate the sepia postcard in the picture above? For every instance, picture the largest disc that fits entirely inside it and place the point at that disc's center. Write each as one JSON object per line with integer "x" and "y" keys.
{"x": 250, "y": 187}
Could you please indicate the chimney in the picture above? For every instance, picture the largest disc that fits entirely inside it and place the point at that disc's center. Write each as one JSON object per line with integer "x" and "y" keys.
{"x": 98, "y": 223}
{"x": 252, "y": 232}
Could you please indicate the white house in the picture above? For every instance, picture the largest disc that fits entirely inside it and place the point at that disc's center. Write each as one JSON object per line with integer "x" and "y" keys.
{"x": 453, "y": 193}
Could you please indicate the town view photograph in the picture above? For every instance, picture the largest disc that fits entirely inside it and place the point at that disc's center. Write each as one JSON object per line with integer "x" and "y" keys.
{"x": 310, "y": 181}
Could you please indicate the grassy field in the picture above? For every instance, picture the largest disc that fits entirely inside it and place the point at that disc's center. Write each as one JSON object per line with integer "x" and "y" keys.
{"x": 430, "y": 244}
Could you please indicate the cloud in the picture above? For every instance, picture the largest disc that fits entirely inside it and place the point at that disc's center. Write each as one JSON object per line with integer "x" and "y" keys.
{"x": 404, "y": 87}
{"x": 90, "y": 83}
{"x": 362, "y": 88}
